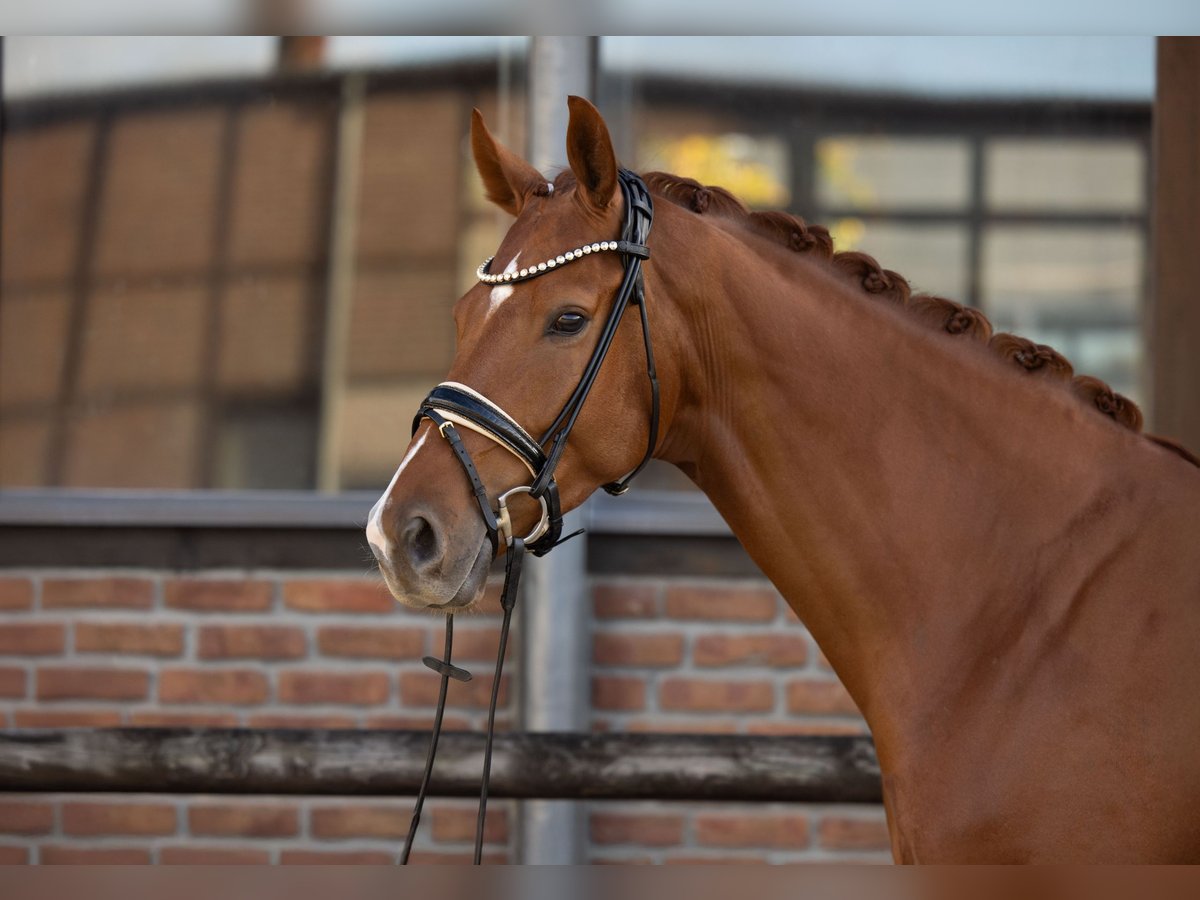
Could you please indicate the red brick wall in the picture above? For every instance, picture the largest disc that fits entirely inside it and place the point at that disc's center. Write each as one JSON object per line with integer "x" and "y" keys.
{"x": 272, "y": 649}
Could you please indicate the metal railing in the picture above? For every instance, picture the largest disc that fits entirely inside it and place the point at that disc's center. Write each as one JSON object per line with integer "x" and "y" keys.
{"x": 544, "y": 765}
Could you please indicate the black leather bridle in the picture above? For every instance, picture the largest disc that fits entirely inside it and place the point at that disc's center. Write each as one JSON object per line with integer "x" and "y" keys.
{"x": 451, "y": 405}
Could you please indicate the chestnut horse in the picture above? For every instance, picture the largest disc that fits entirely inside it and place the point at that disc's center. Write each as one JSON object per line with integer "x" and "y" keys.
{"x": 1003, "y": 572}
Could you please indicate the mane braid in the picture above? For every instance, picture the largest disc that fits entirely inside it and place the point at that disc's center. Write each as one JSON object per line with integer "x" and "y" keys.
{"x": 938, "y": 313}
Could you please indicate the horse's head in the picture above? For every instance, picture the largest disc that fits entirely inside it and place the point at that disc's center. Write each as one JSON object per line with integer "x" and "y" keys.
{"x": 523, "y": 343}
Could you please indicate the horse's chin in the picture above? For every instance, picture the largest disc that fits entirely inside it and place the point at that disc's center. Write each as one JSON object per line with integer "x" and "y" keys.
{"x": 446, "y": 596}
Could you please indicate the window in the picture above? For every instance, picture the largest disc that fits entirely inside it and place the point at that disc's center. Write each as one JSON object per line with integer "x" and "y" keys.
{"x": 234, "y": 283}
{"x": 941, "y": 161}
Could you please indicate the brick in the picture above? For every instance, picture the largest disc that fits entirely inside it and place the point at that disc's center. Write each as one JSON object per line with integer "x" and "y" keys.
{"x": 819, "y": 698}
{"x": 94, "y": 683}
{"x": 93, "y": 856}
{"x": 620, "y": 861}
{"x": 853, "y": 833}
{"x": 16, "y": 594}
{"x": 433, "y": 858}
{"x": 158, "y": 719}
{"x": 12, "y": 682}
{"x": 648, "y": 829}
{"x": 239, "y": 687}
{"x": 706, "y": 695}
{"x": 477, "y": 644}
{"x": 615, "y": 649}
{"x": 625, "y": 601}
{"x": 275, "y": 720}
{"x": 810, "y": 727}
{"x": 451, "y": 825}
{"x": 66, "y": 718}
{"x": 421, "y": 689}
{"x": 351, "y": 688}
{"x": 244, "y": 820}
{"x": 375, "y": 643}
{"x": 118, "y": 818}
{"x": 614, "y": 692}
{"x": 361, "y": 821}
{"x": 124, "y": 637}
{"x": 337, "y": 596}
{"x": 730, "y": 604}
{"x": 756, "y": 830}
{"x": 14, "y": 856}
{"x": 33, "y": 638}
{"x": 212, "y": 856}
{"x": 750, "y": 650}
{"x": 687, "y": 726}
{"x": 336, "y": 858}
{"x": 489, "y": 604}
{"x": 718, "y": 860}
{"x": 98, "y": 593}
{"x": 419, "y": 723}
{"x": 218, "y": 595}
{"x": 25, "y": 817}
{"x": 251, "y": 642}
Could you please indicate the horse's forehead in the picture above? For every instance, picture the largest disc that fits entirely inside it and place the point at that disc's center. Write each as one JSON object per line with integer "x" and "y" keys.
{"x": 547, "y": 228}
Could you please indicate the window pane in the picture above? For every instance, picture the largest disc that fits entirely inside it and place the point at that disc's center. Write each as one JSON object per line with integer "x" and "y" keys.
{"x": 1044, "y": 275}
{"x": 1076, "y": 175}
{"x": 882, "y": 173}
{"x": 1076, "y": 289}
{"x": 932, "y": 257}
{"x": 753, "y": 167}
{"x": 167, "y": 249}
{"x": 1110, "y": 351}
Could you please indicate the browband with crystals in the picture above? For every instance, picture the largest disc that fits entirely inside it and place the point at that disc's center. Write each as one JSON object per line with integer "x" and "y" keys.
{"x": 562, "y": 259}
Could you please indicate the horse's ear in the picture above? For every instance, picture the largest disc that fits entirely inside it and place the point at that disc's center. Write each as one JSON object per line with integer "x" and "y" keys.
{"x": 590, "y": 153}
{"x": 507, "y": 179}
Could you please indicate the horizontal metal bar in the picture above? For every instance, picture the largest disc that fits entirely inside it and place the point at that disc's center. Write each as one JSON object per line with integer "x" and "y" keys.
{"x": 811, "y": 768}
{"x": 185, "y": 509}
{"x": 640, "y": 512}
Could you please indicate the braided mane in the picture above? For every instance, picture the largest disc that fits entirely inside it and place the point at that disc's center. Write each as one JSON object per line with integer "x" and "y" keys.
{"x": 938, "y": 313}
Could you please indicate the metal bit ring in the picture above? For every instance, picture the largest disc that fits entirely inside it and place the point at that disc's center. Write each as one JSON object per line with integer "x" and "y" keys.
{"x": 505, "y": 522}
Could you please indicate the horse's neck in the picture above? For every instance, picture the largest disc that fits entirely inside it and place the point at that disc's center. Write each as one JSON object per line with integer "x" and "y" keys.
{"x": 898, "y": 486}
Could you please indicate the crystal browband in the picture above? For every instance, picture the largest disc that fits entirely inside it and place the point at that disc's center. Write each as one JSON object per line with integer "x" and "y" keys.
{"x": 560, "y": 260}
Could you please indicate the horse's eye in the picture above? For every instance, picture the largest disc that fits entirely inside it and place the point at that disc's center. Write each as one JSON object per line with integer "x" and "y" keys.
{"x": 569, "y": 323}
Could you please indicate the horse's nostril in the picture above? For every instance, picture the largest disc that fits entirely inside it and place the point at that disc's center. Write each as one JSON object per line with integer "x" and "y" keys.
{"x": 421, "y": 543}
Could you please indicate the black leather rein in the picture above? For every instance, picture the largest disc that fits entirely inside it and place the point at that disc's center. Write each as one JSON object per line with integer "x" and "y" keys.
{"x": 451, "y": 406}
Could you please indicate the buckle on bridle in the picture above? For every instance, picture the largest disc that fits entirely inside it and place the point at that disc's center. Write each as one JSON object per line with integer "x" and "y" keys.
{"x": 504, "y": 520}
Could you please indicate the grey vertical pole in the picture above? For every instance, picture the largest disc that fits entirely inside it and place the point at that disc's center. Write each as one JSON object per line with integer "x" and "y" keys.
{"x": 554, "y": 612}
{"x": 340, "y": 281}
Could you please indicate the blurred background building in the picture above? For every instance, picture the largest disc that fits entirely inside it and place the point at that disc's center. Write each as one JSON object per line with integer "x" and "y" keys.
{"x": 238, "y": 255}
{"x": 226, "y": 278}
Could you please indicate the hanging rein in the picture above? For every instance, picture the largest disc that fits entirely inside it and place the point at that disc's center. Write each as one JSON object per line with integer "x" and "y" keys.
{"x": 451, "y": 406}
